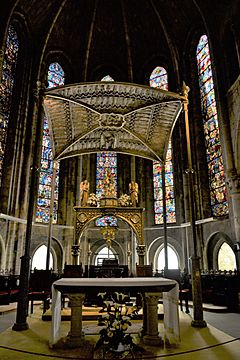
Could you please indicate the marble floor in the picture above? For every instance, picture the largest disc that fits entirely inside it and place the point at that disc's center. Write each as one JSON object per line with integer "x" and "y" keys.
{"x": 207, "y": 343}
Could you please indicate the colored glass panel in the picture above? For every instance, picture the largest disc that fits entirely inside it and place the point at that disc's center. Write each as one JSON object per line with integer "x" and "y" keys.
{"x": 169, "y": 190}
{"x": 6, "y": 87}
{"x": 55, "y": 75}
{"x": 55, "y": 78}
{"x": 105, "y": 161}
{"x": 107, "y": 78}
{"x": 218, "y": 191}
{"x": 159, "y": 78}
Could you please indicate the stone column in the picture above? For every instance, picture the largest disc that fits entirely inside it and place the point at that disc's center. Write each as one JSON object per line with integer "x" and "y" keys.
{"x": 22, "y": 308}
{"x": 233, "y": 182}
{"x": 151, "y": 326}
{"x": 197, "y": 293}
{"x": 75, "y": 336}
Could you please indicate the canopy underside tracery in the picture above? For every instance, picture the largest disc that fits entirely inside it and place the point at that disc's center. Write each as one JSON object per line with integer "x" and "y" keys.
{"x": 102, "y": 116}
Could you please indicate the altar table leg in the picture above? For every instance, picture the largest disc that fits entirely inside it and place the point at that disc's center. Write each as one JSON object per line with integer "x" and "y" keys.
{"x": 151, "y": 326}
{"x": 75, "y": 336}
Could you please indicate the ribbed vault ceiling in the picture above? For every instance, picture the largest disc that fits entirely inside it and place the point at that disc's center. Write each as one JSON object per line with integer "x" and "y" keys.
{"x": 123, "y": 117}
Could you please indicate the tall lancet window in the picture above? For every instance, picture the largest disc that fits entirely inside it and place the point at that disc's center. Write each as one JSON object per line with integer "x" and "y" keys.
{"x": 55, "y": 78}
{"x": 159, "y": 79}
{"x": 6, "y": 87}
{"x": 218, "y": 192}
{"x": 106, "y": 162}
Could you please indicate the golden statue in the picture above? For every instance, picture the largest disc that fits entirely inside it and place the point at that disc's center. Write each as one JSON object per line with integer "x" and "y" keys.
{"x": 109, "y": 185}
{"x": 133, "y": 188}
{"x": 84, "y": 190}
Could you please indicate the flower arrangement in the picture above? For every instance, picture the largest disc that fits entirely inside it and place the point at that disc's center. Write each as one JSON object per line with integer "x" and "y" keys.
{"x": 114, "y": 336}
{"x": 124, "y": 200}
{"x": 92, "y": 200}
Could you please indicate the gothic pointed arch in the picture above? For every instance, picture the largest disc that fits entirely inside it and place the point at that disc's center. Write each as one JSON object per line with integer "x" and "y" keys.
{"x": 214, "y": 244}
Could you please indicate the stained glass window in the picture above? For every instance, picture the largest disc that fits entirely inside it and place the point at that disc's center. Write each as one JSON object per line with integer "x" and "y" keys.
{"x": 106, "y": 161}
{"x": 107, "y": 78}
{"x": 6, "y": 87}
{"x": 159, "y": 79}
{"x": 55, "y": 75}
{"x": 218, "y": 191}
{"x": 169, "y": 189}
{"x": 55, "y": 78}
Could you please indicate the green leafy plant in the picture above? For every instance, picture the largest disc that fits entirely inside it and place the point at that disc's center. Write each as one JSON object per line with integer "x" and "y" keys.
{"x": 116, "y": 322}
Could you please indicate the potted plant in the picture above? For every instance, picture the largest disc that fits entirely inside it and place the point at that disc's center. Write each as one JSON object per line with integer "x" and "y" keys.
{"x": 116, "y": 321}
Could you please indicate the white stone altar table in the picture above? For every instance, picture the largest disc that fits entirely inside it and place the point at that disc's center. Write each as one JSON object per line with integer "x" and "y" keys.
{"x": 150, "y": 288}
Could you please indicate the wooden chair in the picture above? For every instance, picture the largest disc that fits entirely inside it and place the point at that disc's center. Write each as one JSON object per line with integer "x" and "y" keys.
{"x": 184, "y": 287}
{"x": 73, "y": 271}
{"x": 144, "y": 270}
{"x": 9, "y": 289}
{"x": 4, "y": 290}
{"x": 13, "y": 284}
{"x": 40, "y": 288}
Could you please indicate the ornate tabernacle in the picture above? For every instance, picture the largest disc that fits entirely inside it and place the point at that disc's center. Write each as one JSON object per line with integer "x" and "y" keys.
{"x": 133, "y": 216}
{"x": 123, "y": 208}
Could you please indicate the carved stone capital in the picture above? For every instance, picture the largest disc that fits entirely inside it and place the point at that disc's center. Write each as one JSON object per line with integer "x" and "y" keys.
{"x": 76, "y": 299}
{"x": 75, "y": 250}
{"x": 152, "y": 298}
{"x": 141, "y": 250}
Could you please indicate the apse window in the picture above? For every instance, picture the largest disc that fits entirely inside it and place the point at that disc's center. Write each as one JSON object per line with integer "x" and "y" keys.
{"x": 106, "y": 163}
{"x": 226, "y": 258}
{"x": 104, "y": 253}
{"x": 40, "y": 258}
{"x": 218, "y": 191}
{"x": 159, "y": 79}
{"x": 107, "y": 78}
{"x": 173, "y": 262}
{"x": 6, "y": 87}
{"x": 56, "y": 77}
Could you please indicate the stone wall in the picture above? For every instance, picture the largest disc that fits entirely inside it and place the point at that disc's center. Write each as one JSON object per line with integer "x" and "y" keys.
{"x": 233, "y": 98}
